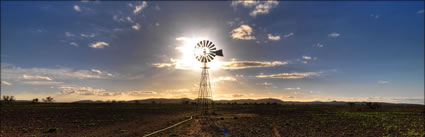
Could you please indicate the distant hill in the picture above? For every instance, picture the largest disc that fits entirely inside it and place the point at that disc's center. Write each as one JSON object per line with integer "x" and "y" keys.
{"x": 89, "y": 101}
{"x": 237, "y": 101}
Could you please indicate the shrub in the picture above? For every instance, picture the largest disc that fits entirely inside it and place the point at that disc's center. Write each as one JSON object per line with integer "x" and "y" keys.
{"x": 8, "y": 99}
{"x": 48, "y": 99}
{"x": 35, "y": 100}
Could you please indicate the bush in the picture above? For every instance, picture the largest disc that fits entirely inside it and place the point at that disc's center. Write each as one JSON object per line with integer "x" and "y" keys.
{"x": 8, "y": 99}
{"x": 48, "y": 99}
{"x": 35, "y": 100}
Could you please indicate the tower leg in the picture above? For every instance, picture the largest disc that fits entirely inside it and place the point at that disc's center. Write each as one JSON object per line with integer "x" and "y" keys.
{"x": 205, "y": 101}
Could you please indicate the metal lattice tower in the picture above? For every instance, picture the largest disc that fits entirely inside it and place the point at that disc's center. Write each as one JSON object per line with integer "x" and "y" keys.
{"x": 205, "y": 51}
{"x": 205, "y": 99}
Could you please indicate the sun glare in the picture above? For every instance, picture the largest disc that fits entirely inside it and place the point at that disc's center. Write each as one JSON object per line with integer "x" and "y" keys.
{"x": 188, "y": 60}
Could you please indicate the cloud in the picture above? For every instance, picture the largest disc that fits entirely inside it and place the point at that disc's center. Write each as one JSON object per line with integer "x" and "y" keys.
{"x": 74, "y": 44}
{"x": 297, "y": 88}
{"x": 29, "y": 77}
{"x": 237, "y": 95}
{"x": 17, "y": 73}
{"x": 228, "y": 78}
{"x": 89, "y": 91}
{"x": 42, "y": 82}
{"x": 334, "y": 35}
{"x": 295, "y": 75}
{"x": 319, "y": 45}
{"x": 420, "y": 11}
{"x": 383, "y": 82}
{"x": 98, "y": 45}
{"x": 265, "y": 84}
{"x": 271, "y": 37}
{"x": 375, "y": 16}
{"x": 96, "y": 71}
{"x": 88, "y": 35}
{"x": 251, "y": 64}
{"x": 85, "y": 91}
{"x": 77, "y": 8}
{"x": 5, "y": 83}
{"x": 288, "y": 35}
{"x": 258, "y": 6}
{"x": 136, "y": 26}
{"x": 139, "y": 8}
{"x": 69, "y": 34}
{"x": 157, "y": 24}
{"x": 232, "y": 65}
{"x": 244, "y": 32}
{"x": 307, "y": 57}
{"x": 162, "y": 65}
{"x": 140, "y": 93}
{"x": 264, "y": 8}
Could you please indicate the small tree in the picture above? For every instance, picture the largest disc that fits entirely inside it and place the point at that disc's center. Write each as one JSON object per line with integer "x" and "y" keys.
{"x": 48, "y": 99}
{"x": 8, "y": 99}
{"x": 35, "y": 100}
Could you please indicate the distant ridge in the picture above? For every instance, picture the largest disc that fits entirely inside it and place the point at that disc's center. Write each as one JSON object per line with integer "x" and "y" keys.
{"x": 237, "y": 101}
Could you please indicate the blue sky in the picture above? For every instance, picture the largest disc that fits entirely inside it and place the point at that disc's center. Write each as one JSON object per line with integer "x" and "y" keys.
{"x": 294, "y": 51}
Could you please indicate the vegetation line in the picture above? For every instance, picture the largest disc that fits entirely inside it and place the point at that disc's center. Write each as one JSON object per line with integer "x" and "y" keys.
{"x": 150, "y": 134}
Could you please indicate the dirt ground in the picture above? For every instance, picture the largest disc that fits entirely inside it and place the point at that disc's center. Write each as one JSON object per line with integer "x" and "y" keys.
{"x": 135, "y": 120}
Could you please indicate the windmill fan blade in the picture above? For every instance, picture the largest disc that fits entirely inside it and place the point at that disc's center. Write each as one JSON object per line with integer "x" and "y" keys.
{"x": 210, "y": 57}
{"x": 208, "y": 44}
{"x": 211, "y": 45}
{"x": 218, "y": 52}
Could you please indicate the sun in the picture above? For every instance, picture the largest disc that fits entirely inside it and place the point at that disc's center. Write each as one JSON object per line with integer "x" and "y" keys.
{"x": 188, "y": 60}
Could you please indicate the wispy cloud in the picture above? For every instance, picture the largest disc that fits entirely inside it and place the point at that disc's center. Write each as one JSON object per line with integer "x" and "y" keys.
{"x": 271, "y": 37}
{"x": 251, "y": 64}
{"x": 85, "y": 91}
{"x": 6, "y": 83}
{"x": 334, "y": 35}
{"x": 89, "y": 91}
{"x": 383, "y": 82}
{"x": 258, "y": 7}
{"x": 237, "y": 95}
{"x": 49, "y": 74}
{"x": 288, "y": 35}
{"x": 295, "y": 75}
{"x": 69, "y": 34}
{"x": 119, "y": 18}
{"x": 88, "y": 35}
{"x": 243, "y": 32}
{"x": 265, "y": 84}
{"x": 231, "y": 65}
{"x": 96, "y": 71}
{"x": 139, "y": 8}
{"x": 319, "y": 45}
{"x": 77, "y": 8}
{"x": 42, "y": 82}
{"x": 307, "y": 57}
{"x": 136, "y": 26}
{"x": 74, "y": 44}
{"x": 99, "y": 45}
{"x": 31, "y": 77}
{"x": 297, "y": 88}
{"x": 227, "y": 78}
{"x": 420, "y": 11}
{"x": 375, "y": 16}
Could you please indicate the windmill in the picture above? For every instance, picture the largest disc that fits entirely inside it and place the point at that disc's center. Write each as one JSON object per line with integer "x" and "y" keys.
{"x": 205, "y": 51}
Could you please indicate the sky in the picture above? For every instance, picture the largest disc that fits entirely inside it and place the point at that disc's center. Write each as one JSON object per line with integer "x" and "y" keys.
{"x": 288, "y": 50}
